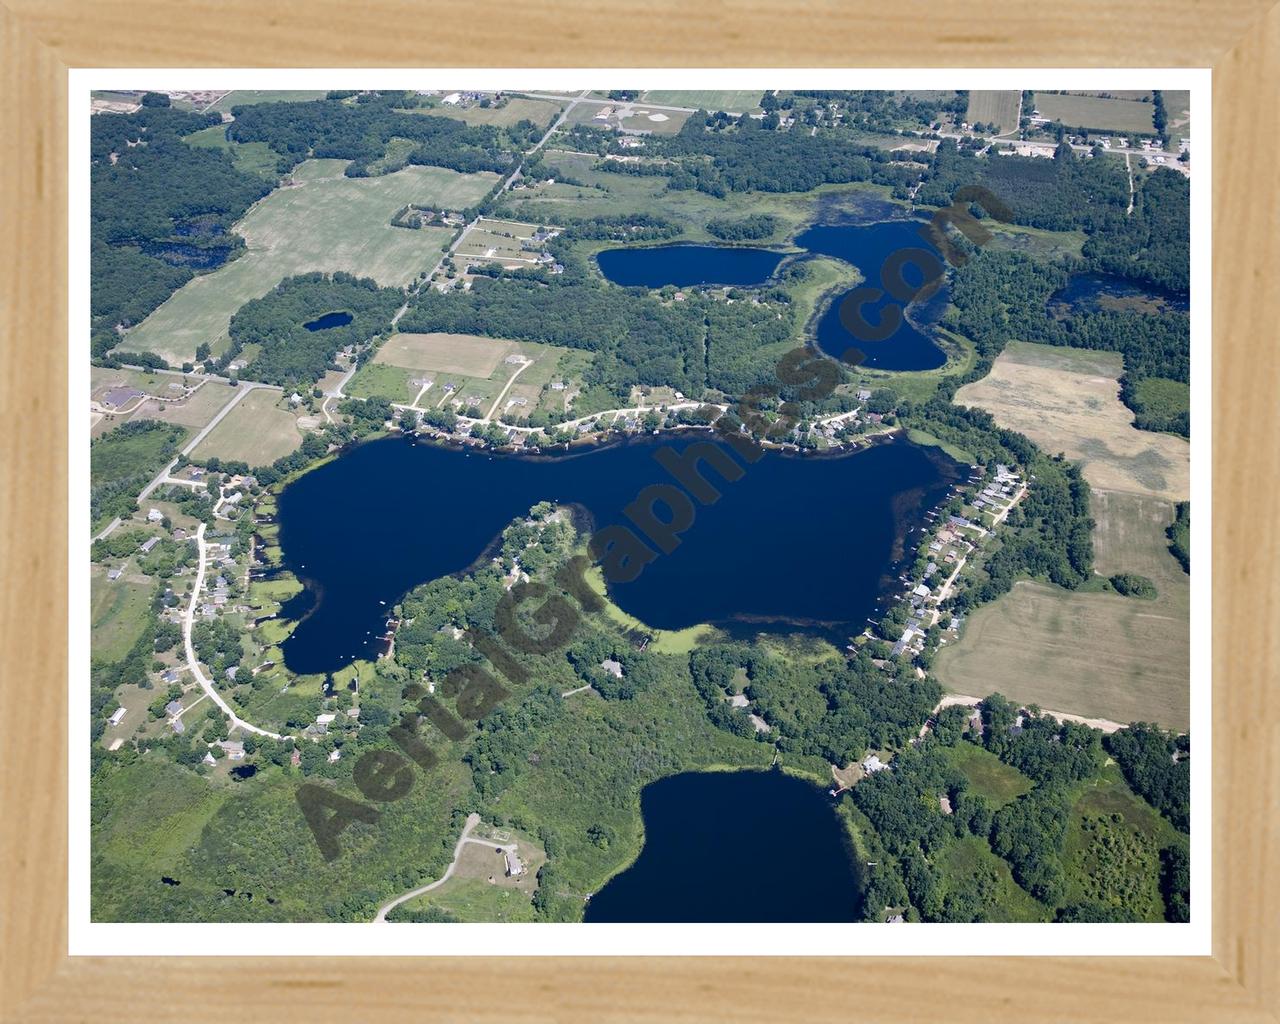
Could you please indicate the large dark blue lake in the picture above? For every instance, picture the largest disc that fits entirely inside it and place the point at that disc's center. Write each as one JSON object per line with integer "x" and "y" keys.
{"x": 687, "y": 265}
{"x": 798, "y": 542}
{"x": 735, "y": 847}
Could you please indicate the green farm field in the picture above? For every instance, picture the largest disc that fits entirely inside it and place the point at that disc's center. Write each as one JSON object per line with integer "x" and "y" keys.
{"x": 518, "y": 108}
{"x": 325, "y": 222}
{"x": 606, "y": 193}
{"x": 247, "y": 97}
{"x": 733, "y": 101}
{"x": 381, "y": 380}
{"x": 1096, "y": 113}
{"x": 991, "y": 106}
{"x": 258, "y": 431}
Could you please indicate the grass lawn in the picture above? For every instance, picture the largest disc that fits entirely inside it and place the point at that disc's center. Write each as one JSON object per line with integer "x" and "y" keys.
{"x": 733, "y": 101}
{"x": 119, "y": 612}
{"x": 326, "y": 222}
{"x": 258, "y": 431}
{"x": 992, "y": 106}
{"x": 1067, "y": 400}
{"x": 1096, "y": 113}
{"x": 924, "y": 438}
{"x": 470, "y": 895}
{"x": 195, "y": 413}
{"x": 988, "y": 776}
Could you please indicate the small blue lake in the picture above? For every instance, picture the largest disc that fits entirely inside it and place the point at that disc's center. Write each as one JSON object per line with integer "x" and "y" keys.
{"x": 735, "y": 847}
{"x": 688, "y": 265}
{"x": 324, "y": 323}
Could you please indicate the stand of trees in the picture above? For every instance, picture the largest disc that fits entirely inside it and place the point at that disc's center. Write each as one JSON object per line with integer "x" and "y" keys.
{"x": 741, "y": 229}
{"x": 1157, "y": 764}
{"x": 1063, "y": 194}
{"x": 1179, "y": 534}
{"x": 360, "y": 133}
{"x": 719, "y": 155}
{"x": 291, "y": 353}
{"x": 1153, "y": 244}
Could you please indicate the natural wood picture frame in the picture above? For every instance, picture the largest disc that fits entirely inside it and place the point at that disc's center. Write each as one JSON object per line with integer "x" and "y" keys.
{"x": 41, "y": 39}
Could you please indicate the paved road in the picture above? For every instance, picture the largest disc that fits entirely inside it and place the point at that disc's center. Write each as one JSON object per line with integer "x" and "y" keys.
{"x": 193, "y": 663}
{"x": 240, "y": 392}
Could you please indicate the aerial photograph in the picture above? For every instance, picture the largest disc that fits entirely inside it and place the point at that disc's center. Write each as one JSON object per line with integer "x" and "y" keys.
{"x": 679, "y": 506}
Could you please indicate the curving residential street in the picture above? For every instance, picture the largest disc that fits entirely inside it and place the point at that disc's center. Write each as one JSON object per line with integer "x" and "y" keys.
{"x": 193, "y": 662}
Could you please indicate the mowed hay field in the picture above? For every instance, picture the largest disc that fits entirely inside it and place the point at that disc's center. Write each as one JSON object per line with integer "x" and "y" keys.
{"x": 1095, "y": 112}
{"x": 733, "y": 101}
{"x": 324, "y": 222}
{"x": 258, "y": 431}
{"x": 1094, "y": 654}
{"x": 1067, "y": 400}
{"x": 994, "y": 106}
{"x": 468, "y": 355}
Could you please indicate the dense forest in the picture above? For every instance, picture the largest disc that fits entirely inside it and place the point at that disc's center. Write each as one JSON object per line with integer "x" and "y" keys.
{"x": 1153, "y": 244}
{"x": 1063, "y": 194}
{"x": 359, "y": 131}
{"x": 293, "y": 355}
{"x": 719, "y": 156}
{"x": 158, "y": 208}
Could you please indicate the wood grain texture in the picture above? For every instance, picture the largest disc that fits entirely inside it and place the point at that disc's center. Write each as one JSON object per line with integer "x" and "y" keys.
{"x": 40, "y": 38}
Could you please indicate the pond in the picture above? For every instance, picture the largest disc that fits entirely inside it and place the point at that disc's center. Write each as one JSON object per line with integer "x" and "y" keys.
{"x": 796, "y": 543}
{"x": 688, "y": 265}
{"x": 1090, "y": 293}
{"x": 323, "y": 323}
{"x": 749, "y": 846}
